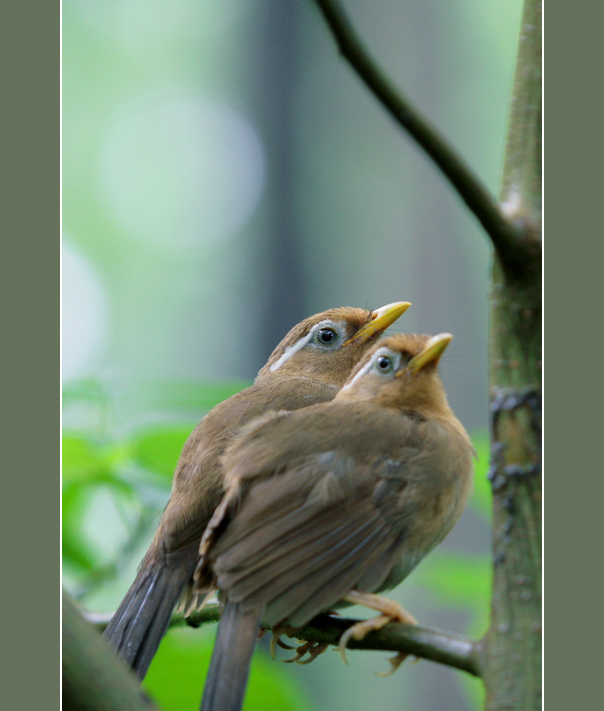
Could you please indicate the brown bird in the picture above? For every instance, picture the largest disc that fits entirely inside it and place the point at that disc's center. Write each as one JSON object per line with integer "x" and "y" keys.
{"x": 328, "y": 505}
{"x": 309, "y": 366}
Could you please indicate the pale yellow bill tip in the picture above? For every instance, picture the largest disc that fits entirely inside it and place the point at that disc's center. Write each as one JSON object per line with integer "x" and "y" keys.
{"x": 431, "y": 352}
{"x": 380, "y": 320}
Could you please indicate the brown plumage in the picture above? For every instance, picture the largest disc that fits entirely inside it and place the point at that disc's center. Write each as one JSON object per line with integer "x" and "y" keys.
{"x": 309, "y": 366}
{"x": 330, "y": 503}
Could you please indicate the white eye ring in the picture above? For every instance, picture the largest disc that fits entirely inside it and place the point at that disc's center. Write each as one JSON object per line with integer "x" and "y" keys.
{"x": 371, "y": 365}
{"x": 328, "y": 332}
{"x": 383, "y": 364}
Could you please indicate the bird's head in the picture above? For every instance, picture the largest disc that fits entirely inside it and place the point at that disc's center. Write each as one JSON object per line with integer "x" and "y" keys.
{"x": 328, "y": 345}
{"x": 400, "y": 372}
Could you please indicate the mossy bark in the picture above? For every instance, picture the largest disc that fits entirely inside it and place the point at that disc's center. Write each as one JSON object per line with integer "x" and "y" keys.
{"x": 511, "y": 649}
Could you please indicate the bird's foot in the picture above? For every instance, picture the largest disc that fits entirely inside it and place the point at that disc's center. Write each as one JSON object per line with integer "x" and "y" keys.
{"x": 278, "y": 630}
{"x": 313, "y": 649}
{"x": 391, "y": 611}
{"x": 395, "y": 661}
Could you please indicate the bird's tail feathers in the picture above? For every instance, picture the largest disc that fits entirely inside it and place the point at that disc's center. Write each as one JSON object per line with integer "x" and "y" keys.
{"x": 230, "y": 665}
{"x": 141, "y": 620}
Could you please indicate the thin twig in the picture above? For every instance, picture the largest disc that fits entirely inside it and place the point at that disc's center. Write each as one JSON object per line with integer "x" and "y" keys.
{"x": 453, "y": 650}
{"x": 507, "y": 236}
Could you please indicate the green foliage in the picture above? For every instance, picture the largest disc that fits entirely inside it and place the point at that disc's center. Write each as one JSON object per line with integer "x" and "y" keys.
{"x": 76, "y": 551}
{"x": 86, "y": 390}
{"x": 175, "y": 678}
{"x": 456, "y": 579}
{"x": 197, "y": 396}
{"x": 88, "y": 468}
{"x": 135, "y": 469}
{"x": 84, "y": 461}
{"x": 481, "y": 498}
{"x": 158, "y": 449}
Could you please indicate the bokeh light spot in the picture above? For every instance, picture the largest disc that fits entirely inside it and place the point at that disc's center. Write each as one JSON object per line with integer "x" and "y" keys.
{"x": 181, "y": 171}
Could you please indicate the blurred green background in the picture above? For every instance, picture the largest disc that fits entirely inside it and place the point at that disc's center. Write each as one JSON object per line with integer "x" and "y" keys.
{"x": 225, "y": 175}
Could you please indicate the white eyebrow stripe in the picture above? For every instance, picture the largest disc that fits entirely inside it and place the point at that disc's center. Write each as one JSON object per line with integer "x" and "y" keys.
{"x": 367, "y": 366}
{"x": 292, "y": 350}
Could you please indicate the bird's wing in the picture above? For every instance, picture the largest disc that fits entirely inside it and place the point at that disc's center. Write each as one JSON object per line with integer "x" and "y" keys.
{"x": 198, "y": 480}
{"x": 303, "y": 538}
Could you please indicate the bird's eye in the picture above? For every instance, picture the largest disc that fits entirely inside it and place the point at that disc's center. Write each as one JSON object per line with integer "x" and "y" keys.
{"x": 383, "y": 364}
{"x": 326, "y": 336}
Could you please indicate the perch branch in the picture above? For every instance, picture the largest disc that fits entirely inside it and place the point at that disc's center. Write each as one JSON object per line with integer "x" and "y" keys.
{"x": 435, "y": 645}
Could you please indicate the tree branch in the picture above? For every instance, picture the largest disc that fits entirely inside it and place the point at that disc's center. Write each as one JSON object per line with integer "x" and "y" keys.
{"x": 93, "y": 677}
{"x": 435, "y": 645}
{"x": 511, "y": 649}
{"x": 508, "y": 236}
{"x": 521, "y": 179}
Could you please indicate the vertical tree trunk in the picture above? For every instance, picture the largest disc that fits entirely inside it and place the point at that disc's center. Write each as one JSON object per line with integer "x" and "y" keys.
{"x": 511, "y": 649}
{"x": 282, "y": 275}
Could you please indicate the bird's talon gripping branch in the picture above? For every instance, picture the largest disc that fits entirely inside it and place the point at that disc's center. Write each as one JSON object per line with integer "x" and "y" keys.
{"x": 360, "y": 630}
{"x": 276, "y": 640}
{"x": 312, "y": 648}
{"x": 391, "y": 611}
{"x": 395, "y": 661}
{"x": 342, "y": 645}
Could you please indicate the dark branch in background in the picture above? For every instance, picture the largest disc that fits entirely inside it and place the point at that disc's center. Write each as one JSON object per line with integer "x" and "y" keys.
{"x": 508, "y": 237}
{"x": 435, "y": 645}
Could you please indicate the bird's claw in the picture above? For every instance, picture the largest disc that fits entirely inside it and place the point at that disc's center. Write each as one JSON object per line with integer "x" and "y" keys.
{"x": 344, "y": 639}
{"x": 395, "y": 661}
{"x": 391, "y": 611}
{"x": 312, "y": 648}
{"x": 359, "y": 630}
{"x": 276, "y": 640}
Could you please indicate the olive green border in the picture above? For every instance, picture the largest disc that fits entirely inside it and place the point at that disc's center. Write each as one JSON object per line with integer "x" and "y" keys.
{"x": 30, "y": 346}
{"x": 573, "y": 471}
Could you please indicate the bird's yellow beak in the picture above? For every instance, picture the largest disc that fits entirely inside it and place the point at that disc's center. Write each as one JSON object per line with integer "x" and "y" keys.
{"x": 379, "y": 321}
{"x": 431, "y": 353}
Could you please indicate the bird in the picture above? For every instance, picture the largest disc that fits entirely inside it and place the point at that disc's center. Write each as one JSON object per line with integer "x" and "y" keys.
{"x": 308, "y": 366}
{"x": 332, "y": 504}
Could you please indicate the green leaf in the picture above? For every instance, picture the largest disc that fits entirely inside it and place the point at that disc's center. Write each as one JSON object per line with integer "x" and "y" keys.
{"x": 158, "y": 449}
{"x": 82, "y": 459}
{"x": 176, "y": 676}
{"x": 87, "y": 390}
{"x": 76, "y": 553}
{"x": 75, "y": 550}
{"x": 200, "y": 397}
{"x": 272, "y": 688}
{"x": 86, "y": 462}
{"x": 481, "y": 499}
